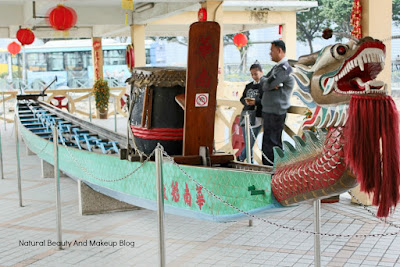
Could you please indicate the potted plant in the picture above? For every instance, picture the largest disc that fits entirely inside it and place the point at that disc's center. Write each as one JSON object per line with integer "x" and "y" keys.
{"x": 101, "y": 92}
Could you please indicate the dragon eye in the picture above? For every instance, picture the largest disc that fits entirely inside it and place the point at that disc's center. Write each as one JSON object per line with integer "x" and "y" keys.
{"x": 341, "y": 50}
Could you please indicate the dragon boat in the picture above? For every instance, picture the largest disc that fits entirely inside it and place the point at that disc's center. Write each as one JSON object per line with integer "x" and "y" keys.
{"x": 176, "y": 108}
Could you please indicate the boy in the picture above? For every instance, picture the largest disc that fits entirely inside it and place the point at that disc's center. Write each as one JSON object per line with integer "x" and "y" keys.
{"x": 251, "y": 99}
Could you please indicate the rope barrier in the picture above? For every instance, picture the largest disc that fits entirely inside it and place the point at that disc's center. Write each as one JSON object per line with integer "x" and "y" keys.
{"x": 270, "y": 222}
{"x": 104, "y": 180}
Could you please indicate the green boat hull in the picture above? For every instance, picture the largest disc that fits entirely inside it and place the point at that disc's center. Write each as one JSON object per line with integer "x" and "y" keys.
{"x": 218, "y": 194}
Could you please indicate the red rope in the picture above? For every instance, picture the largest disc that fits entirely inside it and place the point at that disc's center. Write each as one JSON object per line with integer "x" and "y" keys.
{"x": 168, "y": 134}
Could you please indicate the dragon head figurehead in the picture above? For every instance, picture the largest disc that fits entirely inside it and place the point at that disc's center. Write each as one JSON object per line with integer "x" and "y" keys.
{"x": 330, "y": 76}
{"x": 339, "y": 85}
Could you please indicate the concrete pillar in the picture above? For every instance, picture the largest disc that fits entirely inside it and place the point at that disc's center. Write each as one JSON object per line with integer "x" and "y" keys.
{"x": 138, "y": 42}
{"x": 29, "y": 152}
{"x": 97, "y": 57}
{"x": 48, "y": 170}
{"x": 93, "y": 202}
{"x": 215, "y": 13}
{"x": 373, "y": 12}
{"x": 289, "y": 34}
{"x": 376, "y": 21}
{"x": 361, "y": 196}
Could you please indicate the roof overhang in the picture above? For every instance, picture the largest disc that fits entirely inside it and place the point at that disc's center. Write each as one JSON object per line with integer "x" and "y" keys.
{"x": 103, "y": 18}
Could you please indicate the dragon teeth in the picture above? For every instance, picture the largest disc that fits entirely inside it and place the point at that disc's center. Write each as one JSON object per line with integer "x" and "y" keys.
{"x": 361, "y": 64}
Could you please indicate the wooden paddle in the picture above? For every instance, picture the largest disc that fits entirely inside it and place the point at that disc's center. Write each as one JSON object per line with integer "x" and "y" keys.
{"x": 201, "y": 86}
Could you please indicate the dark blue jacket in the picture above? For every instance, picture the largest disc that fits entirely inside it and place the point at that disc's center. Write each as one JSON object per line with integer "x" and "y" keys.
{"x": 253, "y": 91}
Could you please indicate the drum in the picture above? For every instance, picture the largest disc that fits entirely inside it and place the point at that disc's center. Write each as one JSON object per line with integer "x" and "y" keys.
{"x": 155, "y": 116}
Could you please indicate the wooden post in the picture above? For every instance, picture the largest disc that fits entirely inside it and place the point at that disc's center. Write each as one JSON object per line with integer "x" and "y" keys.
{"x": 376, "y": 21}
{"x": 201, "y": 87}
{"x": 289, "y": 35}
{"x": 138, "y": 42}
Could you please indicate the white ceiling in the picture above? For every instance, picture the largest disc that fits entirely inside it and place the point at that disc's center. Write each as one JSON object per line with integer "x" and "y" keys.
{"x": 107, "y": 18}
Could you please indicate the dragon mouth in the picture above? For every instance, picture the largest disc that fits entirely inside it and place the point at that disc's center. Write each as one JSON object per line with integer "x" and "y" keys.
{"x": 358, "y": 73}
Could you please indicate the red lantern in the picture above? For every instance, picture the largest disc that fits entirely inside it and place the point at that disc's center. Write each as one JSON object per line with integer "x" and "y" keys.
{"x": 25, "y": 36}
{"x": 14, "y": 48}
{"x": 202, "y": 14}
{"x": 240, "y": 40}
{"x": 62, "y": 18}
{"x": 280, "y": 29}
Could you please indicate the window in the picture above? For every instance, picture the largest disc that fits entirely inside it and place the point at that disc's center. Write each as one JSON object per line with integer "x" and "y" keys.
{"x": 114, "y": 57}
{"x": 73, "y": 60}
{"x": 55, "y": 61}
{"x": 36, "y": 62}
{"x": 148, "y": 58}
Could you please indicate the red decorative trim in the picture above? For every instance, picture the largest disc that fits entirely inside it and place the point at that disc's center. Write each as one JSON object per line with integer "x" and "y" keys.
{"x": 169, "y": 134}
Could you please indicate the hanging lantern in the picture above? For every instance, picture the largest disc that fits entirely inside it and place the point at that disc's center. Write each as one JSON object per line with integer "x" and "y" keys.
{"x": 202, "y": 14}
{"x": 62, "y": 18}
{"x": 25, "y": 36}
{"x": 130, "y": 57}
{"x": 14, "y": 48}
{"x": 240, "y": 40}
{"x": 280, "y": 29}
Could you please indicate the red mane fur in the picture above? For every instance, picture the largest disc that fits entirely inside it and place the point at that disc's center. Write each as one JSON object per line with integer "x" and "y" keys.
{"x": 372, "y": 148}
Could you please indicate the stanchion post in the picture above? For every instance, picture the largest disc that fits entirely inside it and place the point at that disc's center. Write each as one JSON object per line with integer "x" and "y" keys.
{"x": 90, "y": 107}
{"x": 247, "y": 129}
{"x": 160, "y": 205}
{"x": 4, "y": 112}
{"x": 18, "y": 161}
{"x": 248, "y": 148}
{"x": 317, "y": 230}
{"x": 57, "y": 185}
{"x": 115, "y": 114}
{"x": 1, "y": 159}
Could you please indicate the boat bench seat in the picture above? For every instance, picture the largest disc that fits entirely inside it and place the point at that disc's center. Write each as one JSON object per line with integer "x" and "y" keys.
{"x": 41, "y": 134}
{"x": 38, "y": 129}
{"x": 33, "y": 120}
{"x": 79, "y": 131}
{"x": 27, "y": 116}
{"x": 32, "y": 125}
{"x": 84, "y": 138}
{"x": 107, "y": 146}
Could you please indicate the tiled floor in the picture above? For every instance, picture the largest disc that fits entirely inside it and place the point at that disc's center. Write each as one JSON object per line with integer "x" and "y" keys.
{"x": 28, "y": 233}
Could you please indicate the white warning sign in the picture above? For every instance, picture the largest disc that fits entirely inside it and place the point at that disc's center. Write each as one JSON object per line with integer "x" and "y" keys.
{"x": 201, "y": 100}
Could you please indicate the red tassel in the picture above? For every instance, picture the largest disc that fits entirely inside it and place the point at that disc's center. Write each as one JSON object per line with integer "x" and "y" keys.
{"x": 372, "y": 149}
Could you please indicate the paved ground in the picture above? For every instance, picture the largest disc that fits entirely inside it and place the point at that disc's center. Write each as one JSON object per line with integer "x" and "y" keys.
{"x": 27, "y": 234}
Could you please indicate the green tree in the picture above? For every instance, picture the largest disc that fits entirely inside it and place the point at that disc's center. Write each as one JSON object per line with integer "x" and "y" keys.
{"x": 338, "y": 13}
{"x": 396, "y": 11}
{"x": 310, "y": 24}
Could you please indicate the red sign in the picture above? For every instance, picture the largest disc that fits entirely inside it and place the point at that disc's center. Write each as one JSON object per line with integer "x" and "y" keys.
{"x": 96, "y": 45}
{"x": 96, "y": 48}
{"x": 201, "y": 100}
